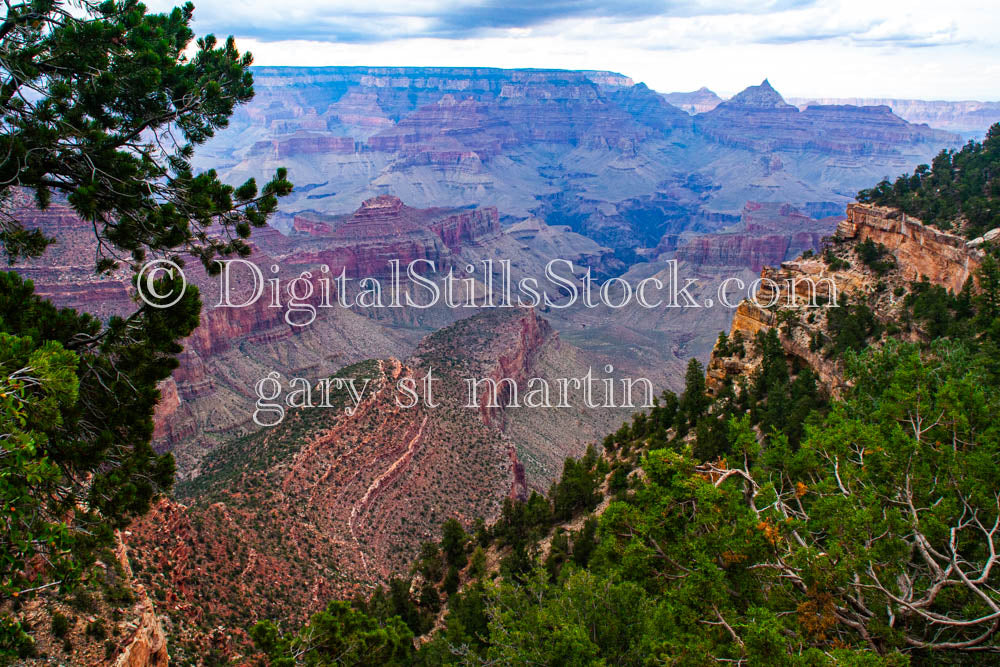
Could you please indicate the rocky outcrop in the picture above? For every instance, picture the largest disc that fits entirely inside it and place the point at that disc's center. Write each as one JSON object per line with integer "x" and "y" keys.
{"x": 789, "y": 286}
{"x": 460, "y": 230}
{"x": 385, "y": 229}
{"x": 318, "y": 144}
{"x": 147, "y": 646}
{"x": 697, "y": 101}
{"x": 551, "y": 241}
{"x": 763, "y": 96}
{"x": 525, "y": 339}
{"x": 741, "y": 250}
{"x": 921, "y": 250}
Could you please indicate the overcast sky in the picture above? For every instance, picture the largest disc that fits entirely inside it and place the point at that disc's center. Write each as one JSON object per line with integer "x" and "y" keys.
{"x": 831, "y": 48}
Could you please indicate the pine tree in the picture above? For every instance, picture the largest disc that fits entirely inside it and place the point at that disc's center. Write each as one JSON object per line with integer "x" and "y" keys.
{"x": 99, "y": 104}
{"x": 100, "y": 107}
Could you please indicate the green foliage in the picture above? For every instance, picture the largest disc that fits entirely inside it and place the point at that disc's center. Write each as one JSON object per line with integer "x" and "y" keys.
{"x": 694, "y": 401}
{"x": 453, "y": 539}
{"x": 477, "y": 566}
{"x": 429, "y": 563}
{"x": 338, "y": 635}
{"x": 940, "y": 313}
{"x": 100, "y": 104}
{"x": 851, "y": 326}
{"x": 451, "y": 581}
{"x": 797, "y": 557}
{"x": 875, "y": 256}
{"x": 778, "y": 402}
{"x": 724, "y": 347}
{"x": 78, "y": 403}
{"x": 396, "y": 602}
{"x": 60, "y": 625}
{"x": 584, "y": 619}
{"x": 835, "y": 263}
{"x": 575, "y": 491}
{"x": 987, "y": 300}
{"x": 958, "y": 185}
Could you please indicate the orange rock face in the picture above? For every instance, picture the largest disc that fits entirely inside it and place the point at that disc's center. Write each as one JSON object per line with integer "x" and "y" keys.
{"x": 147, "y": 647}
{"x": 920, "y": 250}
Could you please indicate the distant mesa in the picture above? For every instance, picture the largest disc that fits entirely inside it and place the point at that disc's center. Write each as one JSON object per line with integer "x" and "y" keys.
{"x": 759, "y": 119}
{"x": 697, "y": 101}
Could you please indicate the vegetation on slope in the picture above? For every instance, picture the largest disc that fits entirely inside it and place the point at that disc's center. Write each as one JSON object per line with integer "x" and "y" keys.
{"x": 771, "y": 524}
{"x": 100, "y": 107}
{"x": 958, "y": 188}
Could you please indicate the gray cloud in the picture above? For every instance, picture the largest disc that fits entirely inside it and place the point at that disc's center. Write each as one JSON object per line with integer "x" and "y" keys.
{"x": 330, "y": 23}
{"x": 910, "y": 41}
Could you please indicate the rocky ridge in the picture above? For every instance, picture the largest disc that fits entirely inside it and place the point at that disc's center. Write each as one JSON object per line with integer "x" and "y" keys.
{"x": 759, "y": 119}
{"x": 919, "y": 252}
{"x": 328, "y": 503}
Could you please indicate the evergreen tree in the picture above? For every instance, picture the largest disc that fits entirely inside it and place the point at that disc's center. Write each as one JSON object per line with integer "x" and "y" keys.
{"x": 453, "y": 539}
{"x": 694, "y": 401}
{"x": 957, "y": 185}
{"x": 100, "y": 105}
{"x": 101, "y": 108}
{"x": 338, "y": 635}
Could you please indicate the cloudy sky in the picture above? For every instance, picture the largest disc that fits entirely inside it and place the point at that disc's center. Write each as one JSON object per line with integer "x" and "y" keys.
{"x": 832, "y": 48}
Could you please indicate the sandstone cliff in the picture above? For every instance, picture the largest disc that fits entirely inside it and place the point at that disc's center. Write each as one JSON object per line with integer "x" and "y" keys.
{"x": 147, "y": 645}
{"x": 919, "y": 251}
{"x": 768, "y": 234}
{"x": 945, "y": 259}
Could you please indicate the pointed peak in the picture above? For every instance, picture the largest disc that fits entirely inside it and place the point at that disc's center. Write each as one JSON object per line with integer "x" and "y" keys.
{"x": 763, "y": 96}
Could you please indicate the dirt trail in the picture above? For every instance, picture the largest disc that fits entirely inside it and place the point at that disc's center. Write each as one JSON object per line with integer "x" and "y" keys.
{"x": 362, "y": 504}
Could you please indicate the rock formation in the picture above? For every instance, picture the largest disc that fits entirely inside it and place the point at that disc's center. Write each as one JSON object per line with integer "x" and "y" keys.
{"x": 945, "y": 259}
{"x": 513, "y": 138}
{"x": 759, "y": 119}
{"x": 969, "y": 118}
{"x": 920, "y": 252}
{"x": 147, "y": 645}
{"x": 697, "y": 101}
{"x": 768, "y": 234}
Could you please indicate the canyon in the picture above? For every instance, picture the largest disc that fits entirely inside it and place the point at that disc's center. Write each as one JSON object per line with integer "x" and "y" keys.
{"x": 326, "y": 504}
{"x": 456, "y": 166}
{"x": 596, "y": 151}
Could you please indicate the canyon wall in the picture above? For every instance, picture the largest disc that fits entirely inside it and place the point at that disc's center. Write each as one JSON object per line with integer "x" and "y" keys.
{"x": 329, "y": 502}
{"x": 921, "y": 250}
{"x": 969, "y": 117}
{"x": 759, "y": 119}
